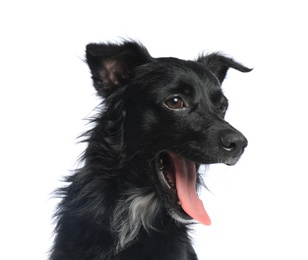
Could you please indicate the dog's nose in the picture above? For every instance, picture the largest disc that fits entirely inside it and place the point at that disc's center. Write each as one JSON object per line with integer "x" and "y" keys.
{"x": 234, "y": 142}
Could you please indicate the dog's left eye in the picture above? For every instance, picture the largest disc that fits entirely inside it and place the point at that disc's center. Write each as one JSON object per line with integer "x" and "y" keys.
{"x": 175, "y": 103}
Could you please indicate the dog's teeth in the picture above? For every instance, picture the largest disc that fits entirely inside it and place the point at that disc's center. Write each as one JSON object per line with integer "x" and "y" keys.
{"x": 179, "y": 202}
{"x": 162, "y": 168}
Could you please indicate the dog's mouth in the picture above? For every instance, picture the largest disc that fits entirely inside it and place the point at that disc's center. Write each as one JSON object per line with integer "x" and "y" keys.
{"x": 178, "y": 177}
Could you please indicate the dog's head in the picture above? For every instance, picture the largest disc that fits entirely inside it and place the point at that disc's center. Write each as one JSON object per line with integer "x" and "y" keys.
{"x": 174, "y": 117}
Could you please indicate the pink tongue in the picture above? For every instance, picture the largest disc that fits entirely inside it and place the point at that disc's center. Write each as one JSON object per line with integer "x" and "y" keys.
{"x": 185, "y": 176}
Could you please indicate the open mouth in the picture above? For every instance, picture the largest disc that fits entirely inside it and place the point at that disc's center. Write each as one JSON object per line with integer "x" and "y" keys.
{"x": 178, "y": 177}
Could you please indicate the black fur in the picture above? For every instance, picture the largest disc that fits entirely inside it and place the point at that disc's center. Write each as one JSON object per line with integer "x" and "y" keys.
{"x": 115, "y": 206}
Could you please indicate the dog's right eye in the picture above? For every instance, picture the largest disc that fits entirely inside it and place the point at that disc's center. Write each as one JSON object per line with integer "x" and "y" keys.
{"x": 175, "y": 103}
{"x": 222, "y": 109}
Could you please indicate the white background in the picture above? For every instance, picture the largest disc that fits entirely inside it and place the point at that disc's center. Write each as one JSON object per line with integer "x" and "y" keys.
{"x": 258, "y": 207}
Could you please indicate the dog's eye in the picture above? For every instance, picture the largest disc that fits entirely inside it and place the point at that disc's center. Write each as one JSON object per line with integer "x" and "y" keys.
{"x": 175, "y": 103}
{"x": 222, "y": 109}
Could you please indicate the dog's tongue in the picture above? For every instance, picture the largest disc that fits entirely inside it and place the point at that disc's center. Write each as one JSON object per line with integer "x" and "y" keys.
{"x": 185, "y": 177}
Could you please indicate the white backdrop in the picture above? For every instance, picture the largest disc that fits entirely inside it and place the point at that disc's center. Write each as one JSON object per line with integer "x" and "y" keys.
{"x": 258, "y": 207}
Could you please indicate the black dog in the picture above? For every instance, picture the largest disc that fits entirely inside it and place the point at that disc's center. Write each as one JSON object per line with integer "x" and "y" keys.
{"x": 161, "y": 118}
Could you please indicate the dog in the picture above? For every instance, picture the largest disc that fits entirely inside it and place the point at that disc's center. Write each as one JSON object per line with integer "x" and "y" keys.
{"x": 135, "y": 197}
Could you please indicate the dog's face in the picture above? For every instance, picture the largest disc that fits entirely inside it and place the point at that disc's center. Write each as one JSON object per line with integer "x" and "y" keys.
{"x": 174, "y": 117}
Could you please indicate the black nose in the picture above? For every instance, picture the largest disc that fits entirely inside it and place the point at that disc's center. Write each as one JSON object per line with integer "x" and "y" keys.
{"x": 234, "y": 142}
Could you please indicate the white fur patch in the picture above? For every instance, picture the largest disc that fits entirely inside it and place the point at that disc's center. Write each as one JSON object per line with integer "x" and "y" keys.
{"x": 139, "y": 208}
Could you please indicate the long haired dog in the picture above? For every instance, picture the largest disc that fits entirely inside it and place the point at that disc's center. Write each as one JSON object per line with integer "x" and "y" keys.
{"x": 136, "y": 193}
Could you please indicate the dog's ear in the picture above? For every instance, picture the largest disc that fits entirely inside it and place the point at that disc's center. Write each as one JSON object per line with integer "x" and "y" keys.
{"x": 219, "y": 65}
{"x": 112, "y": 64}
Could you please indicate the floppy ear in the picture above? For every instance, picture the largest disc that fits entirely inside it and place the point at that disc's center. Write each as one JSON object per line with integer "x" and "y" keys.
{"x": 112, "y": 64}
{"x": 219, "y": 65}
